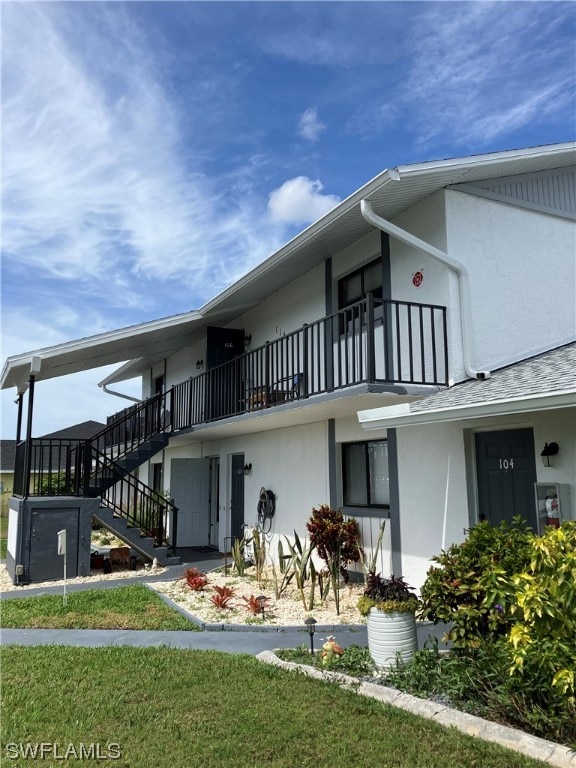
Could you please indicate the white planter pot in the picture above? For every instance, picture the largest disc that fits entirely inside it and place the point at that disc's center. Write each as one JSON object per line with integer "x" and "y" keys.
{"x": 389, "y": 634}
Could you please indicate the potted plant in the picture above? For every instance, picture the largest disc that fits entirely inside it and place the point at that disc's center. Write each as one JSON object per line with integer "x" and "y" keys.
{"x": 390, "y": 609}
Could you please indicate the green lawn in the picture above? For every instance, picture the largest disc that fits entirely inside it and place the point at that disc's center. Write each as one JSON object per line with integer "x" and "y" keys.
{"x": 168, "y": 708}
{"x": 131, "y": 607}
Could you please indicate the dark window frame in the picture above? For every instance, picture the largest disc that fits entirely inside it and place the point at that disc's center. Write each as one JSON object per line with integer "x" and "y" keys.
{"x": 362, "y": 271}
{"x": 369, "y": 504}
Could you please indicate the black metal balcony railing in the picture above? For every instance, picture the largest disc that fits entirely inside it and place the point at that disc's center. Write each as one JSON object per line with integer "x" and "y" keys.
{"x": 372, "y": 341}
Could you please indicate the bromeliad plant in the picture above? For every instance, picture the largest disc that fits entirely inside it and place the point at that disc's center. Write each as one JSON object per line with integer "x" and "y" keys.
{"x": 222, "y": 597}
{"x": 391, "y": 595}
{"x": 195, "y": 579}
{"x": 256, "y": 605}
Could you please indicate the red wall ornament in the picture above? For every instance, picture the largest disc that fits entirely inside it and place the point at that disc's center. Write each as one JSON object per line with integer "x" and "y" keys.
{"x": 417, "y": 279}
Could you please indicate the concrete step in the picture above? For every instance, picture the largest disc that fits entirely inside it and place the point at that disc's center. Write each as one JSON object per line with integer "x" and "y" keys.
{"x": 133, "y": 536}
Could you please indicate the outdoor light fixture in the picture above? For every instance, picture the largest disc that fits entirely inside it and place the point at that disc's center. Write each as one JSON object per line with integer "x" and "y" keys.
{"x": 550, "y": 450}
{"x": 247, "y": 469}
{"x": 199, "y": 364}
{"x": 247, "y": 339}
{"x": 261, "y": 600}
{"x": 311, "y": 629}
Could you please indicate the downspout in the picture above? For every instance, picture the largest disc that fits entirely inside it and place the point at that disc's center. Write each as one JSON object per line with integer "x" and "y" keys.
{"x": 119, "y": 394}
{"x": 448, "y": 261}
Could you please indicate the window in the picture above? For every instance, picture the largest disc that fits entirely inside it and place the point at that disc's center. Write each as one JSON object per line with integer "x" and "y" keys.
{"x": 355, "y": 286}
{"x": 365, "y": 474}
{"x": 157, "y": 477}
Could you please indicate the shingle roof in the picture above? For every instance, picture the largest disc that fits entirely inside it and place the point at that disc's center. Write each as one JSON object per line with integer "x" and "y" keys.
{"x": 83, "y": 431}
{"x": 549, "y": 372}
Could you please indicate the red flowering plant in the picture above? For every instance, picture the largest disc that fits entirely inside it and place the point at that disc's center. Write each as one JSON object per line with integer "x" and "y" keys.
{"x": 337, "y": 542}
{"x": 196, "y": 579}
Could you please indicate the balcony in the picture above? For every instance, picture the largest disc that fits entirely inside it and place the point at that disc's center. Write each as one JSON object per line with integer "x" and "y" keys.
{"x": 372, "y": 342}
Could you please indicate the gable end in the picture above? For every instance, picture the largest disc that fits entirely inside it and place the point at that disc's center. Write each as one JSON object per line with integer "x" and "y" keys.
{"x": 552, "y": 192}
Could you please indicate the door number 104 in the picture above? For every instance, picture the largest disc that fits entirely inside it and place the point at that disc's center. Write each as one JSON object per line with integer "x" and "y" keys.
{"x": 506, "y": 463}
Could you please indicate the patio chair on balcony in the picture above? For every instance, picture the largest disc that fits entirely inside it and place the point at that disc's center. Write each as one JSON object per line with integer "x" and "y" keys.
{"x": 283, "y": 390}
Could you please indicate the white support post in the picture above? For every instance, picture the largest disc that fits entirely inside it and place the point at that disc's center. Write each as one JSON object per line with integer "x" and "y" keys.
{"x": 62, "y": 551}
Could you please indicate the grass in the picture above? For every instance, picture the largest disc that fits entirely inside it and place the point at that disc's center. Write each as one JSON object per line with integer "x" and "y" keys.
{"x": 131, "y": 607}
{"x": 171, "y": 708}
{"x": 472, "y": 684}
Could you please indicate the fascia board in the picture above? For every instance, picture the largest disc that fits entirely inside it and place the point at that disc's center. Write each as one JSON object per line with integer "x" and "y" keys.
{"x": 486, "y": 159}
{"x": 392, "y": 417}
{"x": 303, "y": 237}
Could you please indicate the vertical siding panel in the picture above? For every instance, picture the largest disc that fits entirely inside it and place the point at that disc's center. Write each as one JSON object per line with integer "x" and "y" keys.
{"x": 556, "y": 191}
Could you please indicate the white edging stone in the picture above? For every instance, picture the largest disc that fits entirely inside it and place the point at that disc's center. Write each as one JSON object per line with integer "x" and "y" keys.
{"x": 531, "y": 746}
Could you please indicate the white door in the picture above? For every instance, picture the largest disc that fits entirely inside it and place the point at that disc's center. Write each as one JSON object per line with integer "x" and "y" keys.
{"x": 190, "y": 489}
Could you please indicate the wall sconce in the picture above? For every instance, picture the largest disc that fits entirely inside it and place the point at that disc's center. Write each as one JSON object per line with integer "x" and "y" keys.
{"x": 310, "y": 623}
{"x": 550, "y": 450}
{"x": 199, "y": 364}
{"x": 247, "y": 469}
{"x": 247, "y": 339}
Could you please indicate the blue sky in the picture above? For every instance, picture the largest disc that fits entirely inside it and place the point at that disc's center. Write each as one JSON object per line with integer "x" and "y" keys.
{"x": 154, "y": 152}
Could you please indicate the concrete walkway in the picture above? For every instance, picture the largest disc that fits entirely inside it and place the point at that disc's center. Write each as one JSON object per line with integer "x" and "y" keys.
{"x": 232, "y": 639}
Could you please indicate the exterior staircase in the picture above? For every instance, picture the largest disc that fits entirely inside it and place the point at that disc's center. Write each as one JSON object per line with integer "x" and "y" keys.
{"x": 131, "y": 510}
{"x": 134, "y": 537}
{"x": 101, "y": 468}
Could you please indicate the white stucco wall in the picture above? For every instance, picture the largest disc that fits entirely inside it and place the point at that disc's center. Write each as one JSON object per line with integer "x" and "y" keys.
{"x": 301, "y": 301}
{"x": 522, "y": 276}
{"x": 181, "y": 365}
{"x": 293, "y": 463}
{"x": 435, "y": 492}
{"x": 356, "y": 255}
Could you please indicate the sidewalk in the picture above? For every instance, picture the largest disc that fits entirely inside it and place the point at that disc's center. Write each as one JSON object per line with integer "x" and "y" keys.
{"x": 232, "y": 639}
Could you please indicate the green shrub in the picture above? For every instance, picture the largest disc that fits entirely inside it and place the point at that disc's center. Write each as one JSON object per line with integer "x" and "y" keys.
{"x": 479, "y": 681}
{"x": 544, "y": 636}
{"x": 472, "y": 586}
{"x": 57, "y": 484}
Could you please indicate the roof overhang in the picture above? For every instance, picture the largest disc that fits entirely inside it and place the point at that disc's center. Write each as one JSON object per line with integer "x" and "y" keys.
{"x": 402, "y": 415}
{"x": 390, "y": 193}
{"x": 102, "y": 349}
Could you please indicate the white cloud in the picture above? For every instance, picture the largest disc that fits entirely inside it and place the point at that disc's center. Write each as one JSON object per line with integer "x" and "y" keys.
{"x": 474, "y": 72}
{"x": 309, "y": 126}
{"x": 101, "y": 186}
{"x": 299, "y": 201}
{"x": 479, "y": 73}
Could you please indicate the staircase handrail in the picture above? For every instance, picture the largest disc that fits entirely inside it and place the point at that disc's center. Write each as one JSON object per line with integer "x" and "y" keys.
{"x": 132, "y": 499}
{"x": 133, "y": 426}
